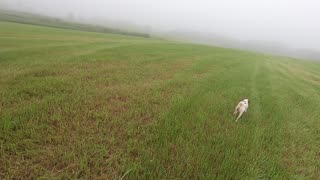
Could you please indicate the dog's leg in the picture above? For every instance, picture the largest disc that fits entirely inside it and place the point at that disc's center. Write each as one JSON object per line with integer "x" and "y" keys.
{"x": 241, "y": 112}
{"x": 236, "y": 110}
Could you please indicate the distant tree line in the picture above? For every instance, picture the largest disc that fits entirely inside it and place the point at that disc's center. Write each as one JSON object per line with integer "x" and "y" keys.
{"x": 27, "y": 18}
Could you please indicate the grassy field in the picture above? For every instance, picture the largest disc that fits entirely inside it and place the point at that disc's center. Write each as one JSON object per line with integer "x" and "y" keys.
{"x": 40, "y": 20}
{"x": 86, "y": 105}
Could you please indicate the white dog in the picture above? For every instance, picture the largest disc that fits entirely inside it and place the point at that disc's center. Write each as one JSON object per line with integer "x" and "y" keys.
{"x": 241, "y": 108}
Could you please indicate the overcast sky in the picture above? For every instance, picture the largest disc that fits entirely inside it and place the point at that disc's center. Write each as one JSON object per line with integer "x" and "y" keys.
{"x": 295, "y": 23}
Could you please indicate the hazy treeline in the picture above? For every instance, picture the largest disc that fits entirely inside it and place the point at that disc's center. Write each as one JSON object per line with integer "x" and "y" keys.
{"x": 34, "y": 19}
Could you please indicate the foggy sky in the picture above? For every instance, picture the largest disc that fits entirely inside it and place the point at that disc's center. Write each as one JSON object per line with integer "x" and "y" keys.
{"x": 295, "y": 23}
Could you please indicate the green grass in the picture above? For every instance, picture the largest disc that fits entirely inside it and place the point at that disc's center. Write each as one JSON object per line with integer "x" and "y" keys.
{"x": 87, "y": 105}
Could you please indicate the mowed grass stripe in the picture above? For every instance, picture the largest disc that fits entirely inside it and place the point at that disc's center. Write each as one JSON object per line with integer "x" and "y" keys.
{"x": 179, "y": 133}
{"x": 88, "y": 105}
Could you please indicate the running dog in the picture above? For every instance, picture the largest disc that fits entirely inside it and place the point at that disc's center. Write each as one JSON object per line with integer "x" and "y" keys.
{"x": 241, "y": 108}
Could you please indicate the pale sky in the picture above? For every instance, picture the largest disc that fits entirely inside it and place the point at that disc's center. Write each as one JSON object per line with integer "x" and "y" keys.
{"x": 295, "y": 23}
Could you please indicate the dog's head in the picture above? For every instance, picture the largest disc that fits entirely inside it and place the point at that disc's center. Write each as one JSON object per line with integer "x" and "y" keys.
{"x": 246, "y": 100}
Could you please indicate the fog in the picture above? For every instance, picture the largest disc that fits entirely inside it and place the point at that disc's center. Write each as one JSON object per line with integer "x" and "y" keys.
{"x": 286, "y": 25}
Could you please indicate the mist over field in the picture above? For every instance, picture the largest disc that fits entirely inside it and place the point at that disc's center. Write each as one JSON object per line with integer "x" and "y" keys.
{"x": 114, "y": 89}
{"x": 287, "y": 27}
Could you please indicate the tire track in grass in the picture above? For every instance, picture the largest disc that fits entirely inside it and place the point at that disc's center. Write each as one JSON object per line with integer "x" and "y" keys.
{"x": 295, "y": 118}
{"x": 264, "y": 124}
{"x": 300, "y": 95}
{"x": 241, "y": 146}
{"x": 255, "y": 111}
